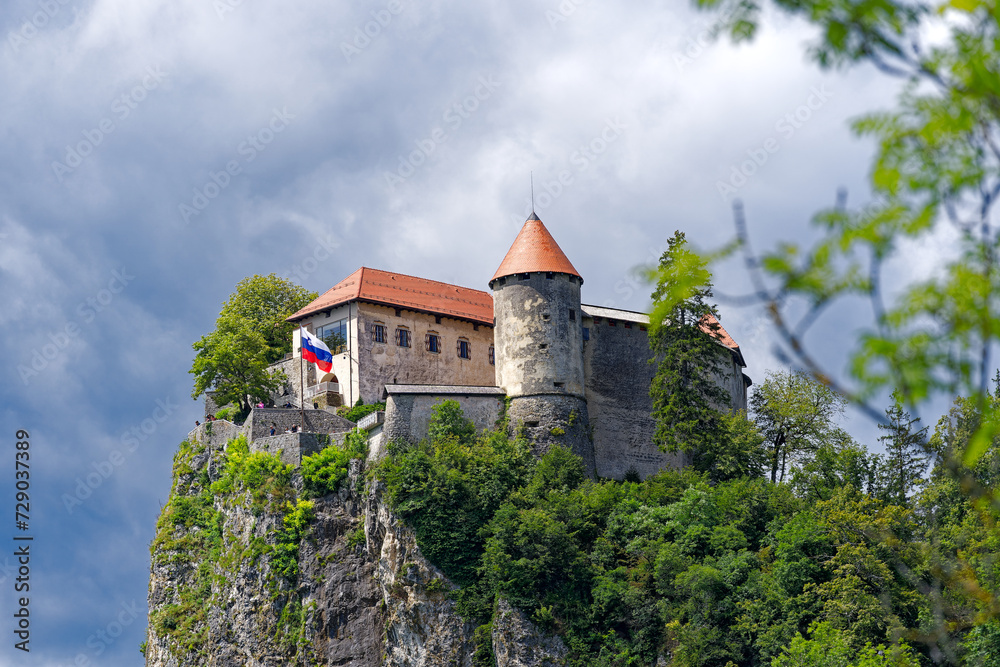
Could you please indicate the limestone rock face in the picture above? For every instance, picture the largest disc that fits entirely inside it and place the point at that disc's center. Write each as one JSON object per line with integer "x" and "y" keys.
{"x": 517, "y": 642}
{"x": 363, "y": 595}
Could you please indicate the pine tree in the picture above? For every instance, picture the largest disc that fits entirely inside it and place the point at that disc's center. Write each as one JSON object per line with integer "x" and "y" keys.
{"x": 683, "y": 336}
{"x": 906, "y": 454}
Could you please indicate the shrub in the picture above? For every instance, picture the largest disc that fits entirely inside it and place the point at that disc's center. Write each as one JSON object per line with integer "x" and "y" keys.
{"x": 361, "y": 410}
{"x": 323, "y": 472}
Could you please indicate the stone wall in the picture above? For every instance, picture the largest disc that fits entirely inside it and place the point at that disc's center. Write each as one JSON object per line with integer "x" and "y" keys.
{"x": 616, "y": 363}
{"x": 539, "y": 348}
{"x": 260, "y": 420}
{"x": 408, "y": 410}
{"x": 554, "y": 420}
{"x": 387, "y": 363}
{"x": 292, "y": 447}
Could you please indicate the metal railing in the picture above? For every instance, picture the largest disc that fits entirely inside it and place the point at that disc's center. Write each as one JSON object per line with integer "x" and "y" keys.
{"x": 372, "y": 420}
{"x": 322, "y": 388}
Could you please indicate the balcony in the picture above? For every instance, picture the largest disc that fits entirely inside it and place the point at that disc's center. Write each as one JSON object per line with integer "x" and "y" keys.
{"x": 323, "y": 388}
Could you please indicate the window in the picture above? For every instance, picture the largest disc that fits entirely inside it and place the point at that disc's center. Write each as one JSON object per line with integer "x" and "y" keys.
{"x": 378, "y": 332}
{"x": 628, "y": 325}
{"x": 642, "y": 327}
{"x": 524, "y": 276}
{"x": 403, "y": 337}
{"x": 464, "y": 351}
{"x": 334, "y": 335}
{"x": 433, "y": 342}
{"x": 612, "y": 323}
{"x": 493, "y": 356}
{"x": 572, "y": 315}
{"x": 549, "y": 275}
{"x": 586, "y": 333}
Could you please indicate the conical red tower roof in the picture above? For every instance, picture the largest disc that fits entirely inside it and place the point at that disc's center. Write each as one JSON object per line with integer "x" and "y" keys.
{"x": 534, "y": 250}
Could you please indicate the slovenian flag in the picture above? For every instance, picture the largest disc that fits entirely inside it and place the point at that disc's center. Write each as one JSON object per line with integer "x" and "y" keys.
{"x": 315, "y": 351}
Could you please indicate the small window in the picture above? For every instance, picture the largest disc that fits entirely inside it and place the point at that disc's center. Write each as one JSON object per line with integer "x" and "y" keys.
{"x": 612, "y": 323}
{"x": 493, "y": 356}
{"x": 628, "y": 325}
{"x": 597, "y": 320}
{"x": 378, "y": 332}
{"x": 559, "y": 385}
{"x": 572, "y": 315}
{"x": 642, "y": 327}
{"x": 433, "y": 342}
{"x": 586, "y": 333}
{"x": 524, "y": 276}
{"x": 464, "y": 351}
{"x": 549, "y": 275}
{"x": 403, "y": 337}
{"x": 501, "y": 281}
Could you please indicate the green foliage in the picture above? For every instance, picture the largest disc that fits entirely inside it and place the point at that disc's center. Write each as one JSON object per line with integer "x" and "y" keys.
{"x": 448, "y": 422}
{"x": 263, "y": 475}
{"x": 250, "y": 333}
{"x": 683, "y": 336}
{"x": 795, "y": 414}
{"x": 817, "y": 571}
{"x": 323, "y": 472}
{"x": 285, "y": 558}
{"x": 361, "y": 410}
{"x": 231, "y": 413}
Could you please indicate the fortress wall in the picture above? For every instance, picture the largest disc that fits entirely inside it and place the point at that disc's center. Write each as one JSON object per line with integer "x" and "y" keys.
{"x": 407, "y": 415}
{"x": 548, "y": 420}
{"x": 386, "y": 363}
{"x": 292, "y": 447}
{"x": 618, "y": 376}
{"x": 258, "y": 423}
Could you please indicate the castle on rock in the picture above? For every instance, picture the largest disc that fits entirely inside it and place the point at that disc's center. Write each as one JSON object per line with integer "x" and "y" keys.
{"x": 570, "y": 373}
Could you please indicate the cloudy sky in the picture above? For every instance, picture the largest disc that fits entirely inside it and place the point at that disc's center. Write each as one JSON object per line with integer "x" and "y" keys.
{"x": 154, "y": 153}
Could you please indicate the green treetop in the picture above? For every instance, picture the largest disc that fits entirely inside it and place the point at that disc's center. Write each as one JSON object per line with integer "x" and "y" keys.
{"x": 250, "y": 333}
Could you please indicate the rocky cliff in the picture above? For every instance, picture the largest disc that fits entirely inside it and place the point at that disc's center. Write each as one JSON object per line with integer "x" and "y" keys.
{"x": 251, "y": 566}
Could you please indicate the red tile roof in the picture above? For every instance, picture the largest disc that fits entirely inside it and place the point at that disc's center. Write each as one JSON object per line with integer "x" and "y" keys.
{"x": 534, "y": 249}
{"x": 722, "y": 336}
{"x": 400, "y": 291}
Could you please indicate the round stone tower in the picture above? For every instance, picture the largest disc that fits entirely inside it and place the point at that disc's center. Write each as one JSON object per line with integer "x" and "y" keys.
{"x": 538, "y": 338}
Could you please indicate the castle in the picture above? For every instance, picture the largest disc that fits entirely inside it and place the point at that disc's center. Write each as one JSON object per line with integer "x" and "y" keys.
{"x": 570, "y": 373}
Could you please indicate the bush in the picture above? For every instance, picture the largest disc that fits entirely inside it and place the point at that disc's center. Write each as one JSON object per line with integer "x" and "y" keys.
{"x": 361, "y": 410}
{"x": 323, "y": 472}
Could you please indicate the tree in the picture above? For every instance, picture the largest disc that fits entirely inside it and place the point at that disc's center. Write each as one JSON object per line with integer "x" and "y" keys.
{"x": 795, "y": 415}
{"x": 683, "y": 336}
{"x": 250, "y": 333}
{"x": 906, "y": 453}
{"x": 265, "y": 302}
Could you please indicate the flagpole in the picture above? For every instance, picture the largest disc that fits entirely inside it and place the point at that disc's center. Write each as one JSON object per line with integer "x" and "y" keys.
{"x": 302, "y": 385}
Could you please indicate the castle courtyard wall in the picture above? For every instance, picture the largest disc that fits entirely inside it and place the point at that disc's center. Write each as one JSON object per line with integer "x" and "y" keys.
{"x": 618, "y": 372}
{"x": 408, "y": 410}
